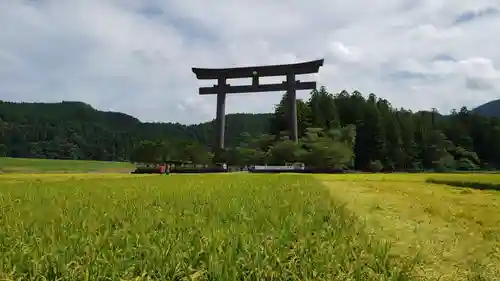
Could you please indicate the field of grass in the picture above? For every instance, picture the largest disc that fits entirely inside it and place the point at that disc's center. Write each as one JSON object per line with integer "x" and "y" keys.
{"x": 183, "y": 227}
{"x": 247, "y": 227}
{"x": 455, "y": 230}
{"x": 23, "y": 165}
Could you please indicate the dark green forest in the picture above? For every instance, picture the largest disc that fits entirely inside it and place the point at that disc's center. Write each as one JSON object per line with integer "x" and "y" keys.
{"x": 344, "y": 130}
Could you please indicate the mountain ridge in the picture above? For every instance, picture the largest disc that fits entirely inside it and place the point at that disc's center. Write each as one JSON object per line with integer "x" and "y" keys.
{"x": 86, "y": 112}
{"x": 489, "y": 109}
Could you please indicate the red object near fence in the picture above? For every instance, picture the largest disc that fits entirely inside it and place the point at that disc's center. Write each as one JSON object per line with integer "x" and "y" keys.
{"x": 162, "y": 169}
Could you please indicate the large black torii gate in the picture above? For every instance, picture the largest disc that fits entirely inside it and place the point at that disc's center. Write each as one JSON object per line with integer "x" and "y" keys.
{"x": 222, "y": 88}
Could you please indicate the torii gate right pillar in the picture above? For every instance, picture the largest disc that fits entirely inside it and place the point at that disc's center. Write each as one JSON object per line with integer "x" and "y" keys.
{"x": 292, "y": 107}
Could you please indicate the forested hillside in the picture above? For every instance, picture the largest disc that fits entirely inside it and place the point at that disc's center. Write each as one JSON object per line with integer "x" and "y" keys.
{"x": 75, "y": 130}
{"x": 491, "y": 109}
{"x": 342, "y": 130}
{"x": 385, "y": 137}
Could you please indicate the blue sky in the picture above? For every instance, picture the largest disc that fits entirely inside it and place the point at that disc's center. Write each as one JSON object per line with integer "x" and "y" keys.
{"x": 136, "y": 56}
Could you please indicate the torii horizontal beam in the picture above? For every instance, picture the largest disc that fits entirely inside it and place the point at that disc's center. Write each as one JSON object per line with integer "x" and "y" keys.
{"x": 228, "y": 89}
{"x": 261, "y": 71}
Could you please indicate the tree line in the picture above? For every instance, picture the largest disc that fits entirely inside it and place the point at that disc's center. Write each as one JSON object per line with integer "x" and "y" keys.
{"x": 398, "y": 139}
{"x": 342, "y": 130}
{"x": 347, "y": 130}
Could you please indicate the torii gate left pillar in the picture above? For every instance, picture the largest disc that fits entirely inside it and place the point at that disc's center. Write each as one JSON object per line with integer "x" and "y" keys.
{"x": 290, "y": 86}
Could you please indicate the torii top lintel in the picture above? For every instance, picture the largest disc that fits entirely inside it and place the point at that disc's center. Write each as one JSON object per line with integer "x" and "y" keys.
{"x": 261, "y": 71}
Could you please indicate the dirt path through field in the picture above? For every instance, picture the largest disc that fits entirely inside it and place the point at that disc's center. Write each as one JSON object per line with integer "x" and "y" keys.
{"x": 456, "y": 231}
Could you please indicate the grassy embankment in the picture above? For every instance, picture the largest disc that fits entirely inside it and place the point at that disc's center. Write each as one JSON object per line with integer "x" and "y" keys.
{"x": 24, "y": 165}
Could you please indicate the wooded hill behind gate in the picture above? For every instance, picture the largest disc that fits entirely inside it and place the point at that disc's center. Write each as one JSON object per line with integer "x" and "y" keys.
{"x": 344, "y": 129}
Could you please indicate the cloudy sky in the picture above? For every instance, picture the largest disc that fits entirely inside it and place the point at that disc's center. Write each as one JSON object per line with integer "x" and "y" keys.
{"x": 136, "y": 56}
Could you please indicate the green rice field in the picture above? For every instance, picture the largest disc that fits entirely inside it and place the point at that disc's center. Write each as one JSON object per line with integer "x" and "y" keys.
{"x": 25, "y": 165}
{"x": 247, "y": 227}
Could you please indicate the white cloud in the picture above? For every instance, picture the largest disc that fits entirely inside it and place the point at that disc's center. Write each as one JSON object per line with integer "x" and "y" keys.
{"x": 427, "y": 32}
{"x": 344, "y": 53}
{"x": 136, "y": 56}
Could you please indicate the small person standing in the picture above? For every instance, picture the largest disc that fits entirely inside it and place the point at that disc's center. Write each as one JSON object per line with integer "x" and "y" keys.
{"x": 162, "y": 169}
{"x": 167, "y": 169}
